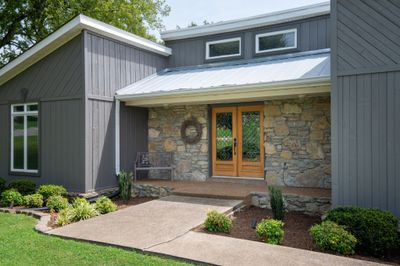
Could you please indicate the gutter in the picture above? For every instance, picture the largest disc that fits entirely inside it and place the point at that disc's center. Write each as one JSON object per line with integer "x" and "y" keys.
{"x": 117, "y": 137}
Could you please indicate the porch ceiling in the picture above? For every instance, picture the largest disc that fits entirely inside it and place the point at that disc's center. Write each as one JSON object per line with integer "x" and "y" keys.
{"x": 305, "y": 73}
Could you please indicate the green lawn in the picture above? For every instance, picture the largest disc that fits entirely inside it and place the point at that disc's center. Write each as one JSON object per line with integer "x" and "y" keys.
{"x": 21, "y": 245}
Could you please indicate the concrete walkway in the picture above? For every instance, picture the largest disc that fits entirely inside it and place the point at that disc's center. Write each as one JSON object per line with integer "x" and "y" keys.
{"x": 164, "y": 226}
{"x": 148, "y": 224}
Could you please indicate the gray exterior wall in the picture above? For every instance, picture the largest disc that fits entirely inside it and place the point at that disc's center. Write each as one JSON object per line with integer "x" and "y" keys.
{"x": 56, "y": 82}
{"x": 365, "y": 103}
{"x": 313, "y": 34}
{"x": 109, "y": 66}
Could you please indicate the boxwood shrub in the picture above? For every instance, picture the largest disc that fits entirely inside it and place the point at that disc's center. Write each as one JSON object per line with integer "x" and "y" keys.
{"x": 331, "y": 236}
{"x": 375, "y": 229}
{"x": 218, "y": 222}
{"x": 270, "y": 231}
{"x": 25, "y": 187}
{"x": 11, "y": 196}
{"x": 57, "y": 203}
{"x": 51, "y": 190}
{"x": 105, "y": 205}
{"x": 33, "y": 200}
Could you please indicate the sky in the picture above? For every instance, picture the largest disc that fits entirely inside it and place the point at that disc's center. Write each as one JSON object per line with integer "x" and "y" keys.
{"x": 185, "y": 11}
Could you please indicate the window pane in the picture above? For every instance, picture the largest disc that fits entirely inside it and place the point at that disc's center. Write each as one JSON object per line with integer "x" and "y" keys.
{"x": 224, "y": 141}
{"x": 33, "y": 136}
{"x": 18, "y": 108}
{"x": 277, "y": 41}
{"x": 227, "y": 48}
{"x": 18, "y": 148}
{"x": 32, "y": 107}
{"x": 251, "y": 136}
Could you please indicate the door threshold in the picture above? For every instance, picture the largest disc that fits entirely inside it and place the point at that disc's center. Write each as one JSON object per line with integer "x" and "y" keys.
{"x": 235, "y": 179}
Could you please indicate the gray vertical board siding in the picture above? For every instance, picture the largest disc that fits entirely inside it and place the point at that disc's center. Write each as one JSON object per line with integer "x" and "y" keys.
{"x": 56, "y": 83}
{"x": 111, "y": 65}
{"x": 365, "y": 96}
{"x": 62, "y": 142}
{"x": 313, "y": 34}
{"x": 133, "y": 134}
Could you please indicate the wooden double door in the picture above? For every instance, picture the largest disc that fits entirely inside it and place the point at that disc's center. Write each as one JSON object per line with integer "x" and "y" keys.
{"x": 237, "y": 141}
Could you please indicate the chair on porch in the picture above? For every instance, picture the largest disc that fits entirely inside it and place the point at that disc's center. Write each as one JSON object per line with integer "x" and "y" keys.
{"x": 147, "y": 161}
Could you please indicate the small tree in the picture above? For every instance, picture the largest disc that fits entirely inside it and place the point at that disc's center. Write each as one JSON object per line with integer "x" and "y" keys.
{"x": 276, "y": 200}
{"x": 125, "y": 185}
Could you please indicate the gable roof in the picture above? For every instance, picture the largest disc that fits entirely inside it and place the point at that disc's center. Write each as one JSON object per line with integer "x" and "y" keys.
{"x": 304, "y": 68}
{"x": 249, "y": 22}
{"x": 68, "y": 32}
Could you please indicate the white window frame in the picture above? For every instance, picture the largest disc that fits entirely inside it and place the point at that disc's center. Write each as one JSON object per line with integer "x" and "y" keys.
{"x": 208, "y": 57}
{"x": 24, "y": 114}
{"x": 258, "y": 36}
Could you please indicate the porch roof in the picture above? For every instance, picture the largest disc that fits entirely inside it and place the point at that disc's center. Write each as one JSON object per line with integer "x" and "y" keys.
{"x": 310, "y": 70}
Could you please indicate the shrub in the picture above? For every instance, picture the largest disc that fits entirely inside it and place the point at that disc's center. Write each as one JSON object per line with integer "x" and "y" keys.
{"x": 218, "y": 222}
{"x": 78, "y": 201}
{"x": 57, "y": 203}
{"x": 25, "y": 187}
{"x": 270, "y": 231}
{"x": 2, "y": 184}
{"x": 33, "y": 201}
{"x": 83, "y": 210}
{"x": 65, "y": 216}
{"x": 331, "y": 236}
{"x": 105, "y": 205}
{"x": 276, "y": 200}
{"x": 51, "y": 190}
{"x": 375, "y": 230}
{"x": 11, "y": 197}
{"x": 125, "y": 185}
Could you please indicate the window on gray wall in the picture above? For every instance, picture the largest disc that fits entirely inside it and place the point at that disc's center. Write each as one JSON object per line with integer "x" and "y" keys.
{"x": 276, "y": 41}
{"x": 24, "y": 138}
{"x": 223, "y": 48}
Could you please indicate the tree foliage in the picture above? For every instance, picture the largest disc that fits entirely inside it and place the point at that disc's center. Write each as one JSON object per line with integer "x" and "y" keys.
{"x": 26, "y": 22}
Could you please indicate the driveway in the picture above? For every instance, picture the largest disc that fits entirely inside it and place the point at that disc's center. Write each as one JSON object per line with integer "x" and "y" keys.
{"x": 146, "y": 225}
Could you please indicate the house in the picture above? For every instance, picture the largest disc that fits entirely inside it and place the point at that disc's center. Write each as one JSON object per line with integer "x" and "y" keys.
{"x": 303, "y": 97}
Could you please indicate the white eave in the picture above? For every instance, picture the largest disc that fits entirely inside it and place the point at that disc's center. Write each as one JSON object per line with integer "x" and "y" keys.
{"x": 250, "y": 22}
{"x": 68, "y": 32}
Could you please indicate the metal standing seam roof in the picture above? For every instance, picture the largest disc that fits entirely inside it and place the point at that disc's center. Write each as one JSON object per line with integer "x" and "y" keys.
{"x": 276, "y": 69}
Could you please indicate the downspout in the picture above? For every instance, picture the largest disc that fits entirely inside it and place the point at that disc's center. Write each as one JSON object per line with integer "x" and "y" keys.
{"x": 117, "y": 137}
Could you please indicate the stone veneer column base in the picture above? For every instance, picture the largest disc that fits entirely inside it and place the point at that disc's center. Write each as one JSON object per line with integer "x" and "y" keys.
{"x": 306, "y": 204}
{"x": 150, "y": 191}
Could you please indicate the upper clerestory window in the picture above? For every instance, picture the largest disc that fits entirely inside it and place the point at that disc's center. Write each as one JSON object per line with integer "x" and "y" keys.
{"x": 223, "y": 48}
{"x": 276, "y": 41}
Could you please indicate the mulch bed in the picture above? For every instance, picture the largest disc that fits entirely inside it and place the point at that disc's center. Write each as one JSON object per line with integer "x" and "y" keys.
{"x": 121, "y": 204}
{"x": 296, "y": 231}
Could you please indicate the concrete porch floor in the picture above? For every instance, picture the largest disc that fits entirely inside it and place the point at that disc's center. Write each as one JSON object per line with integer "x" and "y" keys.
{"x": 228, "y": 190}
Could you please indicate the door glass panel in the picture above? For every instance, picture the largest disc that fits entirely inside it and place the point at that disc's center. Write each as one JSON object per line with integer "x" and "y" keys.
{"x": 18, "y": 140}
{"x": 33, "y": 134}
{"x": 251, "y": 136}
{"x": 224, "y": 141}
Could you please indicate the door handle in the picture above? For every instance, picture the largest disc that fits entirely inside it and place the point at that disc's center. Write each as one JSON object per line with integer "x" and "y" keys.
{"x": 234, "y": 146}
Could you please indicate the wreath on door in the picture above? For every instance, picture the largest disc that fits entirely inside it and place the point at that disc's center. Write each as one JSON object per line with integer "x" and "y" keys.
{"x": 198, "y": 130}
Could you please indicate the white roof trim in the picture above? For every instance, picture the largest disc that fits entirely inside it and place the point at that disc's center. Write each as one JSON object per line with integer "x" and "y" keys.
{"x": 68, "y": 32}
{"x": 250, "y": 22}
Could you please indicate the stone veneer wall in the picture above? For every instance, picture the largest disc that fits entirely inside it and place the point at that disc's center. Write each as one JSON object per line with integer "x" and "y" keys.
{"x": 191, "y": 161}
{"x": 297, "y": 131}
